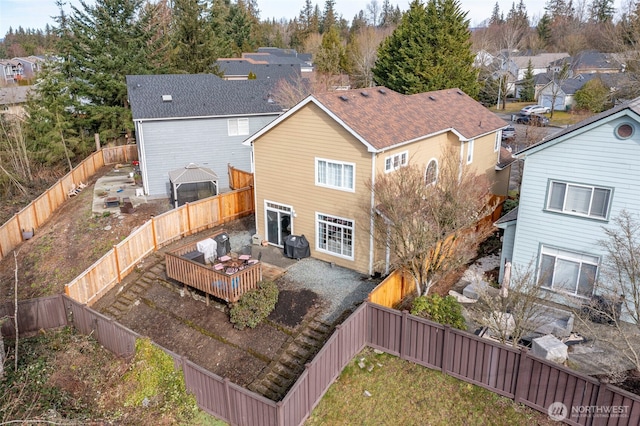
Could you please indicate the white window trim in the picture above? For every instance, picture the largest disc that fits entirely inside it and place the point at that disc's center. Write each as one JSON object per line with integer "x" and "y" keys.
{"x": 343, "y": 163}
{"x": 234, "y": 129}
{"x": 566, "y": 255}
{"x": 427, "y": 169}
{"x": 274, "y": 206}
{"x": 498, "y": 141}
{"x": 572, "y": 213}
{"x": 470, "y": 144}
{"x": 353, "y": 236}
{"x": 392, "y": 158}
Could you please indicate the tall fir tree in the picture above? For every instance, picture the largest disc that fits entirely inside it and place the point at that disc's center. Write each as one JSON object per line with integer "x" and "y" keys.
{"x": 528, "y": 92}
{"x": 106, "y": 41}
{"x": 429, "y": 50}
{"x": 192, "y": 38}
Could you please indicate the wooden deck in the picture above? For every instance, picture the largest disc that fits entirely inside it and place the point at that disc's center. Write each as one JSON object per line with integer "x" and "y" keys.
{"x": 228, "y": 287}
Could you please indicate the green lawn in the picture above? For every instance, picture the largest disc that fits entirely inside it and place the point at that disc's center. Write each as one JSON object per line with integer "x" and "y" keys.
{"x": 403, "y": 393}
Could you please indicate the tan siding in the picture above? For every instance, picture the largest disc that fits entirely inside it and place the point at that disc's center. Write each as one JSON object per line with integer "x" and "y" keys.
{"x": 484, "y": 162}
{"x": 285, "y": 173}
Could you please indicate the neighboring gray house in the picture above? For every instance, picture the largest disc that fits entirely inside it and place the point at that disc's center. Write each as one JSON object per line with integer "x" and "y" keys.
{"x": 573, "y": 185}
{"x": 239, "y": 69}
{"x": 200, "y": 119}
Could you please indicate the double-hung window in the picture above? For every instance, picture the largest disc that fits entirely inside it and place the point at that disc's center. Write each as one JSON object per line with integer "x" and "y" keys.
{"x": 238, "y": 126}
{"x": 335, "y": 174}
{"x": 577, "y": 199}
{"x": 567, "y": 271}
{"x": 335, "y": 235}
{"x": 394, "y": 162}
{"x": 470, "y": 151}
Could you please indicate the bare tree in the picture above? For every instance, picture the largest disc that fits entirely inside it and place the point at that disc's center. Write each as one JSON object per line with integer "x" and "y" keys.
{"x": 15, "y": 165}
{"x": 430, "y": 229}
{"x": 617, "y": 300}
{"x": 558, "y": 78}
{"x": 514, "y": 311}
{"x": 362, "y": 53}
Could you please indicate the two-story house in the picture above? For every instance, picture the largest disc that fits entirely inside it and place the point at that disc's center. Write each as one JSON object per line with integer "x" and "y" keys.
{"x": 314, "y": 164}
{"x": 199, "y": 118}
{"x": 573, "y": 185}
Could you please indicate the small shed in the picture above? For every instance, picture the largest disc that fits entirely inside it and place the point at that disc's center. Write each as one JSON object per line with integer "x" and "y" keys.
{"x": 192, "y": 183}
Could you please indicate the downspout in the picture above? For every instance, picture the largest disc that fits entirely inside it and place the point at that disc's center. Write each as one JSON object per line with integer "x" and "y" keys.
{"x": 461, "y": 165}
{"x": 372, "y": 212}
{"x": 387, "y": 258}
{"x": 255, "y": 192}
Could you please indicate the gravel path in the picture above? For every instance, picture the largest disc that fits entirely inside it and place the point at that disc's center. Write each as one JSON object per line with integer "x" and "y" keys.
{"x": 340, "y": 288}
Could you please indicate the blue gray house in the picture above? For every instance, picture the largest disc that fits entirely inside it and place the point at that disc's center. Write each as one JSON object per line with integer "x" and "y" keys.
{"x": 200, "y": 119}
{"x": 573, "y": 185}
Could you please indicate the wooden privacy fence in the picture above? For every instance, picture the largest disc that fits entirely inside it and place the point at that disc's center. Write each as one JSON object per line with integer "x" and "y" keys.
{"x": 190, "y": 218}
{"x": 502, "y": 369}
{"x": 239, "y": 178}
{"x": 39, "y": 210}
{"x": 399, "y": 284}
{"x": 393, "y": 289}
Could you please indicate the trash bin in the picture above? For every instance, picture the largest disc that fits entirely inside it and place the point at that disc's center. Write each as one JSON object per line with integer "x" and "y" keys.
{"x": 223, "y": 244}
{"x": 296, "y": 247}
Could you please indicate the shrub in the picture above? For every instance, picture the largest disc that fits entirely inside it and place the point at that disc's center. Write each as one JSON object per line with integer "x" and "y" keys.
{"x": 445, "y": 310}
{"x": 254, "y": 305}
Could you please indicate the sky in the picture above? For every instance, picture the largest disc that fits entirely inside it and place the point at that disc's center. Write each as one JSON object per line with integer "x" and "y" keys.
{"x": 38, "y": 13}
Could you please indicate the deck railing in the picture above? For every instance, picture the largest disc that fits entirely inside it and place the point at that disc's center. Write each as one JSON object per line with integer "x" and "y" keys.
{"x": 228, "y": 287}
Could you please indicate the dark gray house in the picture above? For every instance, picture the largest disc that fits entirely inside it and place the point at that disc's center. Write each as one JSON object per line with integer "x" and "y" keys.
{"x": 200, "y": 119}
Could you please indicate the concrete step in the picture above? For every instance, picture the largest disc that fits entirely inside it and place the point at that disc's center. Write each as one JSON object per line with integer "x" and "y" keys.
{"x": 307, "y": 342}
{"x": 299, "y": 352}
{"x": 121, "y": 306}
{"x": 315, "y": 335}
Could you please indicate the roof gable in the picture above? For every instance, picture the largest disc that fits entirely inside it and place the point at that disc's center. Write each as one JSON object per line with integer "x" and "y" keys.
{"x": 197, "y": 95}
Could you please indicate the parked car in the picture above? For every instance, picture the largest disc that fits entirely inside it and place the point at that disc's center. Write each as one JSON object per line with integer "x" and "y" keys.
{"x": 508, "y": 132}
{"x": 533, "y": 120}
{"x": 535, "y": 109}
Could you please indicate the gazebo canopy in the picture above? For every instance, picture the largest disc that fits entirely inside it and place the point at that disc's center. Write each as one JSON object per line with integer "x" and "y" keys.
{"x": 200, "y": 182}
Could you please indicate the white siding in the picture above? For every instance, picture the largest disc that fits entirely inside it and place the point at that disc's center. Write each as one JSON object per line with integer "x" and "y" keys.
{"x": 595, "y": 157}
{"x": 172, "y": 144}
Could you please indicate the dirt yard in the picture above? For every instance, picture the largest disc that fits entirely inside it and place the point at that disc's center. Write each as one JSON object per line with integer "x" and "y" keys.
{"x": 68, "y": 243}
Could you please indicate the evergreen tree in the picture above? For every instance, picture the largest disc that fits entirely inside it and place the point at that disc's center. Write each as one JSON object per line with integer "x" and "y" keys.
{"x": 544, "y": 29}
{"x": 601, "y": 11}
{"x": 106, "y": 41}
{"x": 496, "y": 17}
{"x": 528, "y": 92}
{"x": 389, "y": 16}
{"x": 429, "y": 50}
{"x": 331, "y": 58}
{"x": 192, "y": 37}
{"x": 329, "y": 16}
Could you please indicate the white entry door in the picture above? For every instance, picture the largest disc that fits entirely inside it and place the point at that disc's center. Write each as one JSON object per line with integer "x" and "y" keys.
{"x": 278, "y": 222}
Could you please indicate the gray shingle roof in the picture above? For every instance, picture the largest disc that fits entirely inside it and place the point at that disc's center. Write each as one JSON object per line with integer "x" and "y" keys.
{"x": 197, "y": 95}
{"x": 231, "y": 67}
{"x": 14, "y": 95}
{"x": 274, "y": 59}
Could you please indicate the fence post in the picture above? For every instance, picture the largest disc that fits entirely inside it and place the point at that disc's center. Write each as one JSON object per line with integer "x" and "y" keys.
{"x": 600, "y": 402}
{"x": 279, "y": 415}
{"x": 521, "y": 374}
{"x": 227, "y": 398}
{"x": 115, "y": 253}
{"x": 153, "y": 233}
{"x": 445, "y": 348}
{"x": 188, "y": 219}
{"x": 403, "y": 334}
